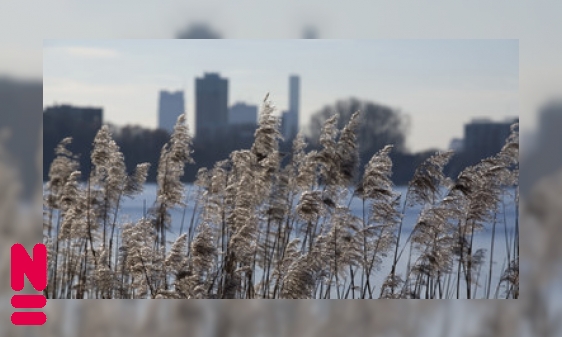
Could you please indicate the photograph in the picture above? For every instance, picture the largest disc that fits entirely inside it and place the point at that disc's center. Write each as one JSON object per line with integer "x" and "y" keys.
{"x": 281, "y": 169}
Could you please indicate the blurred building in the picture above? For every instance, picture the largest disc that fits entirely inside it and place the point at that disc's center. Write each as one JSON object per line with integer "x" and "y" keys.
{"x": 170, "y": 106}
{"x": 545, "y": 159}
{"x": 68, "y": 116}
{"x": 290, "y": 118}
{"x": 484, "y": 138}
{"x": 550, "y": 122}
{"x": 211, "y": 105}
{"x": 80, "y": 123}
{"x": 243, "y": 114}
{"x": 20, "y": 129}
{"x": 457, "y": 145}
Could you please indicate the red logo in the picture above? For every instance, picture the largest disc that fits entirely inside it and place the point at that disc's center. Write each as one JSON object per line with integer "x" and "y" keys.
{"x": 36, "y": 271}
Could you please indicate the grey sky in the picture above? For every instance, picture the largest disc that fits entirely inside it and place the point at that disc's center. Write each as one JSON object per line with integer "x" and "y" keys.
{"x": 441, "y": 84}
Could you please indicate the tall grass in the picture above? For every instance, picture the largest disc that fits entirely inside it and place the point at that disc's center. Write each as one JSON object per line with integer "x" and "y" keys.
{"x": 267, "y": 225}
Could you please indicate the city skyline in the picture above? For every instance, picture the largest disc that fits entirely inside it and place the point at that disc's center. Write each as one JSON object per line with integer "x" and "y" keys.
{"x": 443, "y": 83}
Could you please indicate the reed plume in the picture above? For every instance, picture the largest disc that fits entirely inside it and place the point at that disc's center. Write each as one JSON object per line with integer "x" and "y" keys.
{"x": 263, "y": 224}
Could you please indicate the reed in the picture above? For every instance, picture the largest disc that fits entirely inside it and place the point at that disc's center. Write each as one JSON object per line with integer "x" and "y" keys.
{"x": 265, "y": 226}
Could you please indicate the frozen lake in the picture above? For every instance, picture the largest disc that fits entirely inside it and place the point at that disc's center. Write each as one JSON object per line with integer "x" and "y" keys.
{"x": 134, "y": 209}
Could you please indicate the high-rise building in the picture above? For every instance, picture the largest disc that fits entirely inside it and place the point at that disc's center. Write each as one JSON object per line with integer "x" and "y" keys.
{"x": 211, "y": 105}
{"x": 290, "y": 118}
{"x": 294, "y": 96}
{"x": 243, "y": 114}
{"x": 484, "y": 138}
{"x": 170, "y": 106}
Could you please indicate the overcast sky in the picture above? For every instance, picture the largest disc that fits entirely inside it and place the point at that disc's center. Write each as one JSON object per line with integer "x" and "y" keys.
{"x": 440, "y": 84}
{"x": 536, "y": 24}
